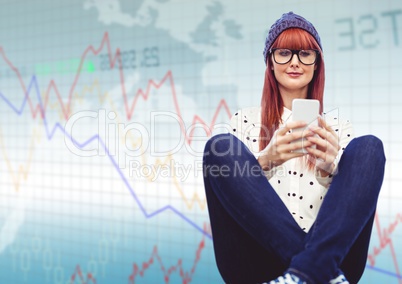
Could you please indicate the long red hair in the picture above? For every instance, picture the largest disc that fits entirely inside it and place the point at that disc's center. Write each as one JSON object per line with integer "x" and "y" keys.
{"x": 271, "y": 101}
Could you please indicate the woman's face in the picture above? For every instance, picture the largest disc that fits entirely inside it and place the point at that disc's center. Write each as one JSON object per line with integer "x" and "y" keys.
{"x": 294, "y": 76}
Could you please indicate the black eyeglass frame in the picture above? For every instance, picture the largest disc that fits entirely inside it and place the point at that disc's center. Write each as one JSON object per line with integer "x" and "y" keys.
{"x": 295, "y": 51}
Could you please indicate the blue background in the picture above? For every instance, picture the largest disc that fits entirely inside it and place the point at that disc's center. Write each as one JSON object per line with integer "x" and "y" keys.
{"x": 106, "y": 105}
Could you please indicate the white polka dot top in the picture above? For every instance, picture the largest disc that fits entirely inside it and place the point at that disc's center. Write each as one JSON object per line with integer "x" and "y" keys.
{"x": 300, "y": 189}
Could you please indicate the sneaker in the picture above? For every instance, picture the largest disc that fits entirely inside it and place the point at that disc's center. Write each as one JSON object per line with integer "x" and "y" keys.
{"x": 288, "y": 278}
{"x": 341, "y": 279}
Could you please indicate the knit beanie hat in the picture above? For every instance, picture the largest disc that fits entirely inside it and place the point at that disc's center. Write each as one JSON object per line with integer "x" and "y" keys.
{"x": 287, "y": 21}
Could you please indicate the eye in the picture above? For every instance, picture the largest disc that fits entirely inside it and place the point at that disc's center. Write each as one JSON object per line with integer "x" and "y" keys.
{"x": 284, "y": 52}
{"x": 306, "y": 53}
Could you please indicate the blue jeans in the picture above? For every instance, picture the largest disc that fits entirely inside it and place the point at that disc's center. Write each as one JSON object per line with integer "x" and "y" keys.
{"x": 255, "y": 237}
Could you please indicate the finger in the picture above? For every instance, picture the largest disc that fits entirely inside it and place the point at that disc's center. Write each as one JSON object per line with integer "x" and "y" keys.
{"x": 291, "y": 125}
{"x": 294, "y": 146}
{"x": 320, "y": 154}
{"x": 319, "y": 141}
{"x": 323, "y": 145}
{"x": 322, "y": 132}
{"x": 329, "y": 136}
{"x": 296, "y": 135}
{"x": 324, "y": 124}
{"x": 292, "y": 155}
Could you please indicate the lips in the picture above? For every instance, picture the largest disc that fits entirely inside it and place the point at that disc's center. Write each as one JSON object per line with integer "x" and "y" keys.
{"x": 294, "y": 74}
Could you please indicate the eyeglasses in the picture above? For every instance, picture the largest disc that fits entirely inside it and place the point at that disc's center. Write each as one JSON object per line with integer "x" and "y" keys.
{"x": 284, "y": 55}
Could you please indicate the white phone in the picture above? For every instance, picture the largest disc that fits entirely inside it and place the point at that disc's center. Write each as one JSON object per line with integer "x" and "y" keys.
{"x": 306, "y": 110}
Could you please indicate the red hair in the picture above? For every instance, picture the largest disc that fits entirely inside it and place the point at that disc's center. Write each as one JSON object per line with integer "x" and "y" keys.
{"x": 271, "y": 101}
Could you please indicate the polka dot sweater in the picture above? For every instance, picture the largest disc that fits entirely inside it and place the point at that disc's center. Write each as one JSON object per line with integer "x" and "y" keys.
{"x": 301, "y": 190}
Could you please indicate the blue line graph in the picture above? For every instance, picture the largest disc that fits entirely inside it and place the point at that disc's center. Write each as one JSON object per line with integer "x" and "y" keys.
{"x": 50, "y": 133}
{"x": 34, "y": 84}
{"x": 384, "y": 271}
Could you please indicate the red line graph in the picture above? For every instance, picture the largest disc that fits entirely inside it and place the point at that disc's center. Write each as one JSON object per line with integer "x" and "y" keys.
{"x": 129, "y": 109}
{"x": 81, "y": 278}
{"x": 137, "y": 271}
{"x": 385, "y": 241}
{"x": 156, "y": 259}
{"x": 384, "y": 234}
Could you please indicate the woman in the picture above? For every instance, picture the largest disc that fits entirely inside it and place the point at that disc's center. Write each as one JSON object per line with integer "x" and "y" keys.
{"x": 280, "y": 214}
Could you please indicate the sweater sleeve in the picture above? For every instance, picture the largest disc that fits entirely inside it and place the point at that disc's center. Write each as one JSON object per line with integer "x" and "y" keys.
{"x": 345, "y": 135}
{"x": 245, "y": 126}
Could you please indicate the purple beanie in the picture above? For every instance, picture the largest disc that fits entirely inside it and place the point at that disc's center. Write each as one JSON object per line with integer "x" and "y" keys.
{"x": 287, "y": 21}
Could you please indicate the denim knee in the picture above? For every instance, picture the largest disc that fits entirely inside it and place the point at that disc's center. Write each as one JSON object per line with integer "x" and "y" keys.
{"x": 222, "y": 145}
{"x": 370, "y": 140}
{"x": 370, "y": 146}
{"x": 214, "y": 141}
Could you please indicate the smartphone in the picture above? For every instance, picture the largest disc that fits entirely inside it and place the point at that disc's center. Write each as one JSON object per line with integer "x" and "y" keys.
{"x": 305, "y": 110}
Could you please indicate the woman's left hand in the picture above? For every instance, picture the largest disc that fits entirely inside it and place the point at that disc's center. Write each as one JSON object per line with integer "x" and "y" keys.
{"x": 327, "y": 147}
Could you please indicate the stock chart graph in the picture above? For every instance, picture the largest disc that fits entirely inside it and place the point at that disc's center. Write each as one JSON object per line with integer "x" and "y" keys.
{"x": 106, "y": 106}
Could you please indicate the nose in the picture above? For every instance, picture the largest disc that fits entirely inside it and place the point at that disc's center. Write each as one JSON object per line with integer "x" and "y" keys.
{"x": 295, "y": 60}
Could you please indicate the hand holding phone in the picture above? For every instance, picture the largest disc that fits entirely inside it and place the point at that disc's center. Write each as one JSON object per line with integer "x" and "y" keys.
{"x": 306, "y": 110}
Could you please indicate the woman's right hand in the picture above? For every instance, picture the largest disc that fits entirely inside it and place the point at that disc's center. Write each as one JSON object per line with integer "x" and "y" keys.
{"x": 283, "y": 145}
